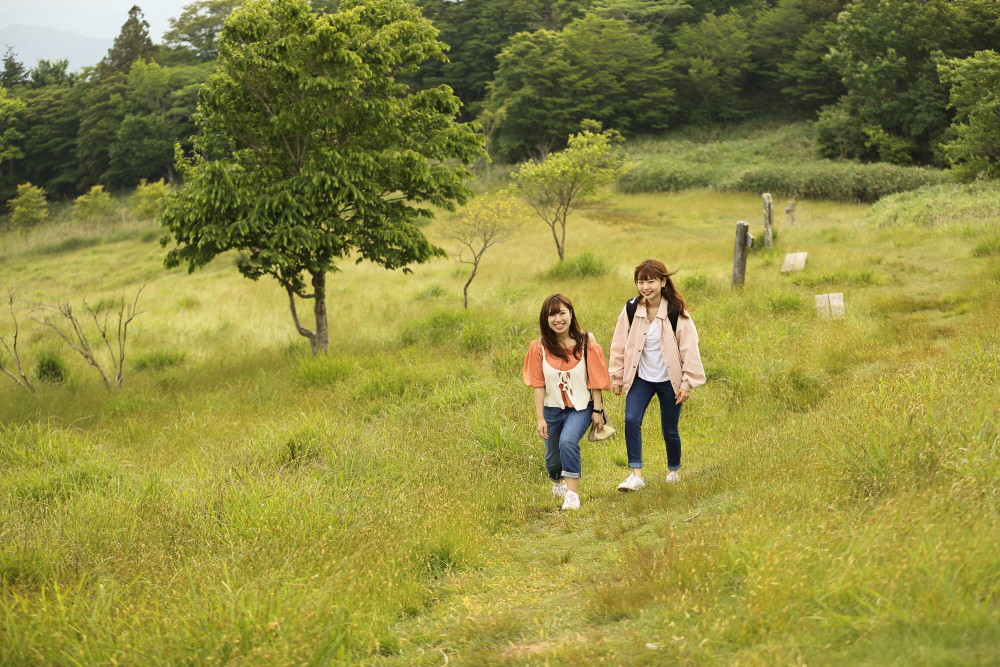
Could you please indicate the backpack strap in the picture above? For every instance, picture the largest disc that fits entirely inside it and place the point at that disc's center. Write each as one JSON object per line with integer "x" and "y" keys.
{"x": 630, "y": 307}
{"x": 673, "y": 312}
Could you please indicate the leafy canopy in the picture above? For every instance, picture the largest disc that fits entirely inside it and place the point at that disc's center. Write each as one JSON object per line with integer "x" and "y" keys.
{"x": 315, "y": 150}
{"x": 95, "y": 204}
{"x": 975, "y": 95}
{"x": 28, "y": 208}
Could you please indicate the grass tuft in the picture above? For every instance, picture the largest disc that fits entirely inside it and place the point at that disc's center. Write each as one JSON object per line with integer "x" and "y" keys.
{"x": 584, "y": 265}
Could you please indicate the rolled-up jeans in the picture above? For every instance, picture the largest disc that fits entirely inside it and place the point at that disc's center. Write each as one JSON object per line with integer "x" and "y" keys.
{"x": 562, "y": 450}
{"x": 639, "y": 395}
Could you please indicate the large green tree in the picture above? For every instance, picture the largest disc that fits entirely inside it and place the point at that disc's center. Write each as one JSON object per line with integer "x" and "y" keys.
{"x": 198, "y": 26}
{"x": 13, "y": 73}
{"x": 714, "y": 56}
{"x": 547, "y": 83}
{"x": 887, "y": 54}
{"x": 476, "y": 31}
{"x": 132, "y": 43}
{"x": 313, "y": 151}
{"x": 975, "y": 95}
{"x": 11, "y": 109}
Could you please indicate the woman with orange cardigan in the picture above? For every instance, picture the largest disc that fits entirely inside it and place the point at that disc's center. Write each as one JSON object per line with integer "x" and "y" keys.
{"x": 565, "y": 366}
{"x": 654, "y": 351}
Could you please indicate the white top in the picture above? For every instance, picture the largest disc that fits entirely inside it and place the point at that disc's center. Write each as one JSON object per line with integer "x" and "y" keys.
{"x": 573, "y": 382}
{"x": 652, "y": 367}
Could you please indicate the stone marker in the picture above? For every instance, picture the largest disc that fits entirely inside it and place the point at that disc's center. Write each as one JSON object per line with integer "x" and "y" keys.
{"x": 830, "y": 305}
{"x": 790, "y": 211}
{"x": 794, "y": 261}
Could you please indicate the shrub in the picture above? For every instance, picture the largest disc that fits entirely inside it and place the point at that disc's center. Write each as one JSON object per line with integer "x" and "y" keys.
{"x": 839, "y": 134}
{"x": 95, "y": 204}
{"x": 584, "y": 265}
{"x": 695, "y": 282}
{"x": 326, "y": 369}
{"x": 976, "y": 205}
{"x": 158, "y": 360}
{"x": 988, "y": 246}
{"x": 785, "y": 302}
{"x": 147, "y": 201}
{"x": 839, "y": 181}
{"x": 51, "y": 368}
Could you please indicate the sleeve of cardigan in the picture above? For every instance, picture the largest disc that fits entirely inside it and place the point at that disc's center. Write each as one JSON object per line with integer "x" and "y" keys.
{"x": 533, "y": 374}
{"x": 616, "y": 360}
{"x": 597, "y": 371}
{"x": 692, "y": 372}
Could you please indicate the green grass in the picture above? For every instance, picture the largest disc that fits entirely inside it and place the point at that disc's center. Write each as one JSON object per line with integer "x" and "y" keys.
{"x": 755, "y": 158}
{"x": 240, "y": 502}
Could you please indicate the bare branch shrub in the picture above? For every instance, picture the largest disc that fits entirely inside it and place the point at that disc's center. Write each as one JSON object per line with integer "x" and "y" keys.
{"x": 61, "y": 320}
{"x": 484, "y": 223}
{"x": 12, "y": 354}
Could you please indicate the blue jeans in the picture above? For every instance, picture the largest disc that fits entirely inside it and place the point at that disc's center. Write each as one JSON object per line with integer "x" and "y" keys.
{"x": 639, "y": 395}
{"x": 562, "y": 450}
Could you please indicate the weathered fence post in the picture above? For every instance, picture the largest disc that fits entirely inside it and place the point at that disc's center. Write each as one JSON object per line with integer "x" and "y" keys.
{"x": 790, "y": 211}
{"x": 743, "y": 242}
{"x": 768, "y": 219}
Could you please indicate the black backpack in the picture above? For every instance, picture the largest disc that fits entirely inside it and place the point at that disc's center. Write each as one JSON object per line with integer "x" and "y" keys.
{"x": 673, "y": 312}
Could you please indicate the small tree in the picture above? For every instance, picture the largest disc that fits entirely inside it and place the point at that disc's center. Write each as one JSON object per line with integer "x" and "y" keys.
{"x": 28, "y": 208}
{"x": 567, "y": 180}
{"x": 9, "y": 352}
{"x": 484, "y": 223}
{"x": 61, "y": 320}
{"x": 95, "y": 204}
{"x": 148, "y": 199}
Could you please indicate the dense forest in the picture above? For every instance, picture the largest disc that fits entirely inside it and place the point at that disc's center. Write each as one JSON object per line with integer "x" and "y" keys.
{"x": 885, "y": 80}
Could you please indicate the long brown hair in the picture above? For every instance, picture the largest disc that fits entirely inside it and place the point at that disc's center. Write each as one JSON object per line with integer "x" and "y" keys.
{"x": 654, "y": 269}
{"x": 551, "y": 306}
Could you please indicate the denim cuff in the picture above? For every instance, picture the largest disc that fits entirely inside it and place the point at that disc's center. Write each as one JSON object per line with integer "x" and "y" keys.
{"x": 673, "y": 468}
{"x": 571, "y": 475}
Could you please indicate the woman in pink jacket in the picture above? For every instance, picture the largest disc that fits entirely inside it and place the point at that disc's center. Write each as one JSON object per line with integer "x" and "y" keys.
{"x": 654, "y": 352}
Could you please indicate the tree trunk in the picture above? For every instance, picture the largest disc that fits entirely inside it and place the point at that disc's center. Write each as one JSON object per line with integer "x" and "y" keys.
{"x": 321, "y": 340}
{"x": 465, "y": 290}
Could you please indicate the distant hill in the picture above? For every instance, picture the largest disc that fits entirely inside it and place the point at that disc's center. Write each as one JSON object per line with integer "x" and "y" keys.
{"x": 32, "y": 42}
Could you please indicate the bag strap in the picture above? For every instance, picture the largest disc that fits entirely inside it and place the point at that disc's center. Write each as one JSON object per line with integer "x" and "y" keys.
{"x": 673, "y": 312}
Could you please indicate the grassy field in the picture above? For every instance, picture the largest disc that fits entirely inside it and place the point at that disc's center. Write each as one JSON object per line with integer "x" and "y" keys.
{"x": 241, "y": 503}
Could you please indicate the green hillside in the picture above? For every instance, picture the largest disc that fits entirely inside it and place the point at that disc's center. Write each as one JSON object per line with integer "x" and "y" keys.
{"x": 241, "y": 503}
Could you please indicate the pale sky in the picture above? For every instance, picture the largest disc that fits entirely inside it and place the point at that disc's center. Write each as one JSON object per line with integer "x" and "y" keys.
{"x": 93, "y": 18}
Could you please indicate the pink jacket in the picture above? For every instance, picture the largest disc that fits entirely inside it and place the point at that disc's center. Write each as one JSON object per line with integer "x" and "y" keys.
{"x": 680, "y": 350}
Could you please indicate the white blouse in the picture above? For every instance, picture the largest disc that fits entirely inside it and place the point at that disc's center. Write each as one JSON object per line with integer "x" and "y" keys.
{"x": 652, "y": 367}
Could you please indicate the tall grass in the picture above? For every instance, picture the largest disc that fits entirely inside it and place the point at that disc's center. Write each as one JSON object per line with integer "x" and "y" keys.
{"x": 782, "y": 161}
{"x": 242, "y": 503}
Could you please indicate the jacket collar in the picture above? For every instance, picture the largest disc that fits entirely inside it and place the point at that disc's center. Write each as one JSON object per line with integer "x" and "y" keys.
{"x": 661, "y": 312}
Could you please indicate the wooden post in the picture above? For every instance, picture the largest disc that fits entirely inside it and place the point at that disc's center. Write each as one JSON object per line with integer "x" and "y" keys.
{"x": 768, "y": 219}
{"x": 740, "y": 254}
{"x": 790, "y": 211}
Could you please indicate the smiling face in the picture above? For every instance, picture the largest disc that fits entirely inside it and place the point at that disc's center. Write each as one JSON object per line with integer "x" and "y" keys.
{"x": 560, "y": 320}
{"x": 650, "y": 287}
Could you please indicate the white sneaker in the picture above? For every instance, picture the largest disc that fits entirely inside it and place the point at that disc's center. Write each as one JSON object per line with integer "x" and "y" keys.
{"x": 559, "y": 488}
{"x": 673, "y": 477}
{"x": 572, "y": 501}
{"x": 632, "y": 483}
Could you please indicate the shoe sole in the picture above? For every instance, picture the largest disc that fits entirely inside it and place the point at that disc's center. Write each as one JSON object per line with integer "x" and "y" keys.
{"x": 628, "y": 490}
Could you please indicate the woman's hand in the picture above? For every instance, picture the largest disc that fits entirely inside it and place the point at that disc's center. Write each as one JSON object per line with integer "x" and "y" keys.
{"x": 617, "y": 389}
{"x": 597, "y": 419}
{"x": 682, "y": 395}
{"x": 543, "y": 429}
